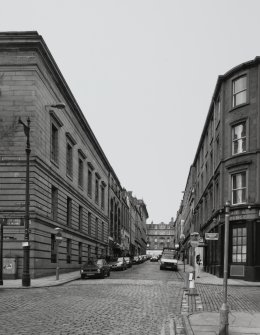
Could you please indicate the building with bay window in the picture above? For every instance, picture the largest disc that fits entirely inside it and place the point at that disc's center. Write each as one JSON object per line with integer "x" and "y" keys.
{"x": 226, "y": 167}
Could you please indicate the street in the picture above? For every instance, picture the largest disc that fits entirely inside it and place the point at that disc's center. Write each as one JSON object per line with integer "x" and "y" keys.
{"x": 141, "y": 300}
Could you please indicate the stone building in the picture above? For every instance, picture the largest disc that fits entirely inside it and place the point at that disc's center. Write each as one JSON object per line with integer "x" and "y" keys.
{"x": 72, "y": 185}
{"x": 137, "y": 215}
{"x": 226, "y": 167}
{"x": 159, "y": 236}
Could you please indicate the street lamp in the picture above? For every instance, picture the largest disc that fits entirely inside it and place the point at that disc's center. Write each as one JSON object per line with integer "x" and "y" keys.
{"x": 26, "y": 280}
{"x": 58, "y": 239}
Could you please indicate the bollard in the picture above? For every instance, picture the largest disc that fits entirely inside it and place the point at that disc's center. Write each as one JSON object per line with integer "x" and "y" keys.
{"x": 186, "y": 281}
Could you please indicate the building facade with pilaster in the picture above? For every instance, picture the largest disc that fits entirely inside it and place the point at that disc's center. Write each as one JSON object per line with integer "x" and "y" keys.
{"x": 72, "y": 185}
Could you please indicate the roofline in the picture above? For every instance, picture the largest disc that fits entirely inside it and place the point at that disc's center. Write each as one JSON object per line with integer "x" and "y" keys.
{"x": 220, "y": 80}
{"x": 31, "y": 40}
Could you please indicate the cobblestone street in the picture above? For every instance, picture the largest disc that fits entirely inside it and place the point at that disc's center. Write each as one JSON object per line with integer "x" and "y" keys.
{"x": 140, "y": 300}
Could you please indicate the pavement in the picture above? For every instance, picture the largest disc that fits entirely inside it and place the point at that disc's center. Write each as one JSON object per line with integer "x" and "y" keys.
{"x": 208, "y": 323}
{"x": 41, "y": 282}
{"x": 198, "y": 323}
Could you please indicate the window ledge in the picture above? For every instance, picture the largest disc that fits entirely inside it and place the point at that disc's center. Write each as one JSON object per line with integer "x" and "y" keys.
{"x": 239, "y": 106}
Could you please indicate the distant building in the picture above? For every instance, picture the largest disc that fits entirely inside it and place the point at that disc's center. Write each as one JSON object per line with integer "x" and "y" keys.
{"x": 159, "y": 236}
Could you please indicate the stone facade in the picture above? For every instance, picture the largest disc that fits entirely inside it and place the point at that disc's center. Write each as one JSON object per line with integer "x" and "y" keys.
{"x": 227, "y": 168}
{"x": 72, "y": 184}
{"x": 160, "y": 235}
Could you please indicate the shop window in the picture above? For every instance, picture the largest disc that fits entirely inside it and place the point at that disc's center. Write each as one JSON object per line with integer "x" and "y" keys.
{"x": 239, "y": 245}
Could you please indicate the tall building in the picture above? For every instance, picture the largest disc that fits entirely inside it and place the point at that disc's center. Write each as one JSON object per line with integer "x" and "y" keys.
{"x": 72, "y": 186}
{"x": 159, "y": 236}
{"x": 226, "y": 167}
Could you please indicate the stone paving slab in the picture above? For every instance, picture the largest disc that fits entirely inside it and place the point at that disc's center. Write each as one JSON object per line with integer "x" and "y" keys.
{"x": 239, "y": 323}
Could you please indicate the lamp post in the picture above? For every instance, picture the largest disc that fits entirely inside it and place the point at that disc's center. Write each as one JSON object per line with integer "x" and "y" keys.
{"x": 26, "y": 280}
{"x": 224, "y": 310}
{"x": 58, "y": 239}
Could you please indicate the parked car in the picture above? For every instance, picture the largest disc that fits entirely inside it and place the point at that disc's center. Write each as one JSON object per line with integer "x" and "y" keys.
{"x": 95, "y": 268}
{"x": 136, "y": 260}
{"x": 119, "y": 264}
{"x": 154, "y": 258}
{"x": 129, "y": 262}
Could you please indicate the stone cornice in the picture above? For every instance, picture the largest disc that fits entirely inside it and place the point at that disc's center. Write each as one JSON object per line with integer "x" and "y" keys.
{"x": 32, "y": 41}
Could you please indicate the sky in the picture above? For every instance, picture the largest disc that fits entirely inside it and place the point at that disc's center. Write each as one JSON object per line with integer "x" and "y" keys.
{"x": 143, "y": 73}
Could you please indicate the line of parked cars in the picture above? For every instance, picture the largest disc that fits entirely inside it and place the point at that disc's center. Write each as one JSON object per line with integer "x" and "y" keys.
{"x": 101, "y": 268}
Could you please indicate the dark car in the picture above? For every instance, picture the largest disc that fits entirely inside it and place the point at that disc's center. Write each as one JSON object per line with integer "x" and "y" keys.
{"x": 95, "y": 268}
{"x": 118, "y": 264}
{"x": 136, "y": 260}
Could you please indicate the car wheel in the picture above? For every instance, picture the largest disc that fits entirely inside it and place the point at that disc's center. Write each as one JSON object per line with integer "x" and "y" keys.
{"x": 83, "y": 277}
{"x": 108, "y": 274}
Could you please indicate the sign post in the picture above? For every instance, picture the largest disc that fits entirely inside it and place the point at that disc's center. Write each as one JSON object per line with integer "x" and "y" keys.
{"x": 224, "y": 310}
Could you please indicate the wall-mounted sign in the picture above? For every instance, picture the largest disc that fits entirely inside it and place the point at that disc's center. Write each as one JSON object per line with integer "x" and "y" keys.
{"x": 12, "y": 221}
{"x": 211, "y": 236}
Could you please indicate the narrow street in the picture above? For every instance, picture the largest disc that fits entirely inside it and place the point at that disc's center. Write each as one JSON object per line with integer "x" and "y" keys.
{"x": 141, "y": 300}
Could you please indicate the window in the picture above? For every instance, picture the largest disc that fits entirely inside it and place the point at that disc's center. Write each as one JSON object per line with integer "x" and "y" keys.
{"x": 239, "y": 250}
{"x": 239, "y": 188}
{"x": 96, "y": 190}
{"x": 80, "y": 252}
{"x": 80, "y": 172}
{"x": 102, "y": 196}
{"x": 68, "y": 250}
{"x": 89, "y": 251}
{"x": 54, "y": 143}
{"x": 80, "y": 217}
{"x": 89, "y": 223}
{"x": 239, "y": 91}
{"x": 69, "y": 159}
{"x": 96, "y": 228}
{"x": 53, "y": 249}
{"x": 54, "y": 203}
{"x": 102, "y": 232}
{"x": 69, "y": 211}
{"x": 239, "y": 138}
{"x": 90, "y": 182}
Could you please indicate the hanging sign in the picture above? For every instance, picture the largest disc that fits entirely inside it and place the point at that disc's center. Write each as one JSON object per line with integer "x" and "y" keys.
{"x": 211, "y": 236}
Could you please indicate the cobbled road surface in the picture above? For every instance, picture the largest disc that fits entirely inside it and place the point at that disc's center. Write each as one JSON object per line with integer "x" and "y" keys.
{"x": 139, "y": 301}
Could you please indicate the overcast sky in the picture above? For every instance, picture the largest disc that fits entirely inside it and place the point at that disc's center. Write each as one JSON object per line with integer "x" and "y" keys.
{"x": 143, "y": 72}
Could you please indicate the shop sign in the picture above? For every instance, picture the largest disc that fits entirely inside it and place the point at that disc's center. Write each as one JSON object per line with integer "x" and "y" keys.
{"x": 12, "y": 221}
{"x": 211, "y": 236}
